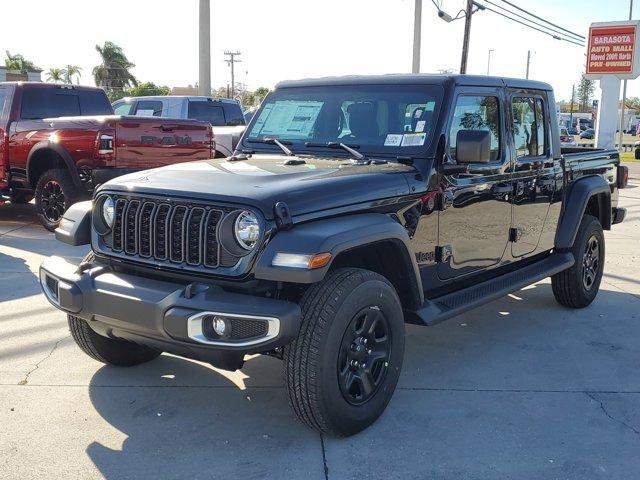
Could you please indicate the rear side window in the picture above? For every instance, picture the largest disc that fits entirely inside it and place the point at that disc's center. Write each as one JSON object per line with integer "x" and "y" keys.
{"x": 208, "y": 112}
{"x": 233, "y": 114}
{"x": 57, "y": 102}
{"x": 476, "y": 113}
{"x": 528, "y": 126}
{"x": 148, "y": 108}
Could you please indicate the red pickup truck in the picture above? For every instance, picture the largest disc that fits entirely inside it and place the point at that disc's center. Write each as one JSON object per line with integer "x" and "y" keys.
{"x": 57, "y": 142}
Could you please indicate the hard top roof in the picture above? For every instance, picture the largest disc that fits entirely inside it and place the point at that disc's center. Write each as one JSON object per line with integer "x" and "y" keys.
{"x": 417, "y": 79}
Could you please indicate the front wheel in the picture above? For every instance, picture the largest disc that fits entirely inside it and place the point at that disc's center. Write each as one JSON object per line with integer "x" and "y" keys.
{"x": 342, "y": 369}
{"x": 578, "y": 286}
{"x": 111, "y": 351}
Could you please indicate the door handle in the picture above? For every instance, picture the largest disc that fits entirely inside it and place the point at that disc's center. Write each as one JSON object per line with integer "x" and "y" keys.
{"x": 168, "y": 128}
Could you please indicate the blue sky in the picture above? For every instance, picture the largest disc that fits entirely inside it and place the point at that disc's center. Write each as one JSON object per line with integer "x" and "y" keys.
{"x": 284, "y": 39}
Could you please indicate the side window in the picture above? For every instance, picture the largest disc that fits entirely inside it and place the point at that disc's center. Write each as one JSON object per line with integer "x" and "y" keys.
{"x": 122, "y": 108}
{"x": 528, "y": 126}
{"x": 148, "y": 108}
{"x": 476, "y": 113}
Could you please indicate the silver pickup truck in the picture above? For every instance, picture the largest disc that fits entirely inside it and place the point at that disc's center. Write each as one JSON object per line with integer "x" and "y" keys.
{"x": 224, "y": 115}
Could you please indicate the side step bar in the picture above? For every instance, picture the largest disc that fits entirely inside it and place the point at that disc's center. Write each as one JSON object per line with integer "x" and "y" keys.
{"x": 438, "y": 309}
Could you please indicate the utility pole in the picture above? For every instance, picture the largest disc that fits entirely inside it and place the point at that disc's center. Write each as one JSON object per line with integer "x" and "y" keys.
{"x": 231, "y": 61}
{"x": 467, "y": 33}
{"x": 417, "y": 36}
{"x": 573, "y": 95}
{"x": 624, "y": 90}
{"x": 489, "y": 60}
{"x": 204, "y": 64}
{"x": 528, "y": 62}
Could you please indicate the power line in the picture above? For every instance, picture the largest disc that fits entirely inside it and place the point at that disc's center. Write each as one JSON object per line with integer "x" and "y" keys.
{"x": 534, "y": 22}
{"x": 557, "y": 37}
{"x": 539, "y": 18}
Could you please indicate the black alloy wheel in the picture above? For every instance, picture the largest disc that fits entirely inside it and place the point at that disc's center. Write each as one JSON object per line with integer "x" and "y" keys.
{"x": 364, "y": 355}
{"x": 590, "y": 262}
{"x": 53, "y": 201}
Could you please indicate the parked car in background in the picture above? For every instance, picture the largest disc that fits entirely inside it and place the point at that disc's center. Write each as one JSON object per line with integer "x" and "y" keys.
{"x": 224, "y": 115}
{"x": 588, "y": 134}
{"x": 58, "y": 141}
{"x": 566, "y": 140}
{"x": 572, "y": 130}
{"x": 248, "y": 114}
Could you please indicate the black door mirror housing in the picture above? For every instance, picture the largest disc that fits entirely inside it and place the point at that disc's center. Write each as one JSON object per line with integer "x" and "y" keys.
{"x": 473, "y": 146}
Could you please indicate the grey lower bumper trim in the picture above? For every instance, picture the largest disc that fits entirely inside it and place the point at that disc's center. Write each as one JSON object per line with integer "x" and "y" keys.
{"x": 135, "y": 307}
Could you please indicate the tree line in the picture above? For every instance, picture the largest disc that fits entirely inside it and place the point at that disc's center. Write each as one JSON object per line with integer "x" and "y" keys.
{"x": 115, "y": 77}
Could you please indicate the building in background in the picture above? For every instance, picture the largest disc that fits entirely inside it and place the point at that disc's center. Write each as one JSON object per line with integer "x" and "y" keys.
{"x": 19, "y": 76}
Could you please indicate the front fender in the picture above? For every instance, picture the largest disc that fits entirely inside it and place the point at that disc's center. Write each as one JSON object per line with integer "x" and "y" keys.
{"x": 333, "y": 235}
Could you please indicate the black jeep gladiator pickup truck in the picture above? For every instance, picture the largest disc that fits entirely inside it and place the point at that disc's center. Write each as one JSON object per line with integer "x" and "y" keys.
{"x": 352, "y": 206}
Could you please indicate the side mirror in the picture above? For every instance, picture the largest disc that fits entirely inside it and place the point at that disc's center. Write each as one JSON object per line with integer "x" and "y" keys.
{"x": 473, "y": 146}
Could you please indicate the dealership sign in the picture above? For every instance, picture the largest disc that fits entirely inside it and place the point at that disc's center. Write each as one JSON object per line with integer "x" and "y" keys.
{"x": 614, "y": 49}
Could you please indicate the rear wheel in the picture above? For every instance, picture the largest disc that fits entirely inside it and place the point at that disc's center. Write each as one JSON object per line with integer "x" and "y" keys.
{"x": 578, "y": 286}
{"x": 55, "y": 192}
{"x": 342, "y": 369}
{"x": 108, "y": 350}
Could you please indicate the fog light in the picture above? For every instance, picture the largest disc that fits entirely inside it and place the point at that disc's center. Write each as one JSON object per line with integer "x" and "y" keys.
{"x": 221, "y": 326}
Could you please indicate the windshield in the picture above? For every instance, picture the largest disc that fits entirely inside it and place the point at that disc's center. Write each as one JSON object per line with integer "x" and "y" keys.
{"x": 392, "y": 119}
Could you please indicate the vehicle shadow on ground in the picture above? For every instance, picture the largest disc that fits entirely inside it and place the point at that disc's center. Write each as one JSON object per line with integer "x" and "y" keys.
{"x": 24, "y": 243}
{"x": 185, "y": 420}
{"x": 191, "y": 422}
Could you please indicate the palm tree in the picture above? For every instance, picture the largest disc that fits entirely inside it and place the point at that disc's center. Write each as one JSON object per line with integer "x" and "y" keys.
{"x": 70, "y": 71}
{"x": 56, "y": 75}
{"x": 113, "y": 74}
{"x": 18, "y": 62}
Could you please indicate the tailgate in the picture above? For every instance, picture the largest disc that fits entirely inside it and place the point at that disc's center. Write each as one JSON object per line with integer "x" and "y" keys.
{"x": 149, "y": 142}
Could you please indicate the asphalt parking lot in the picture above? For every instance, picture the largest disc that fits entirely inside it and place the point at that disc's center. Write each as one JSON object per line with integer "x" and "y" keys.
{"x": 518, "y": 389}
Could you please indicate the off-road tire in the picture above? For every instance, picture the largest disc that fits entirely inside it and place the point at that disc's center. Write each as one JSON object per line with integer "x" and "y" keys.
{"x": 108, "y": 350}
{"x": 70, "y": 192}
{"x": 568, "y": 286}
{"x": 18, "y": 198}
{"x": 311, "y": 367}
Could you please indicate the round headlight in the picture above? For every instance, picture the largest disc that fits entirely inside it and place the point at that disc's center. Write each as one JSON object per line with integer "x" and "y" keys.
{"x": 108, "y": 206}
{"x": 247, "y": 230}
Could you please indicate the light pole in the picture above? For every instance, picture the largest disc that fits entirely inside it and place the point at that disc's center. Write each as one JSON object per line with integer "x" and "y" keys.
{"x": 232, "y": 61}
{"x": 624, "y": 90}
{"x": 417, "y": 35}
{"x": 489, "y": 60}
{"x": 467, "y": 34}
{"x": 204, "y": 64}
{"x": 528, "y": 63}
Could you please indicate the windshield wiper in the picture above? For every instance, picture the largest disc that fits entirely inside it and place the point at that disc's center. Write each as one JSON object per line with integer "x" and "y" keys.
{"x": 274, "y": 141}
{"x": 351, "y": 149}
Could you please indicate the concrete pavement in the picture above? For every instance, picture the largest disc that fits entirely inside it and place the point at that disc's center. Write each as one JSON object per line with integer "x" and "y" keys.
{"x": 518, "y": 389}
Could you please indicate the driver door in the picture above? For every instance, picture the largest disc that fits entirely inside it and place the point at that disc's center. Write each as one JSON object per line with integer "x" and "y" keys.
{"x": 475, "y": 216}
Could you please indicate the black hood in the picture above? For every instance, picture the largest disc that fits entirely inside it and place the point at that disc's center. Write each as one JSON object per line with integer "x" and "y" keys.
{"x": 263, "y": 180}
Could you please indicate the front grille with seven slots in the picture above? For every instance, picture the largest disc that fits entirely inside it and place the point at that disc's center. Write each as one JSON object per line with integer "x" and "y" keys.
{"x": 161, "y": 231}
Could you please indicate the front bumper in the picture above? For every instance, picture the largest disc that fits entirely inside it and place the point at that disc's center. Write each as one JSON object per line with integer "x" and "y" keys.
{"x": 170, "y": 316}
